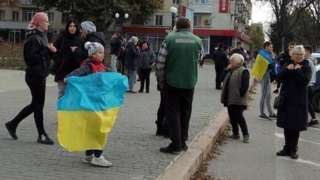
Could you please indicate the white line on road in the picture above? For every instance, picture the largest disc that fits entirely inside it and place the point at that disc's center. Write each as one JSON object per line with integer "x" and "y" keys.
{"x": 279, "y": 135}
{"x": 302, "y": 161}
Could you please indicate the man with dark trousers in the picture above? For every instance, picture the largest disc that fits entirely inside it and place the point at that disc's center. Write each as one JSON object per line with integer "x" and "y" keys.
{"x": 177, "y": 74}
{"x": 221, "y": 61}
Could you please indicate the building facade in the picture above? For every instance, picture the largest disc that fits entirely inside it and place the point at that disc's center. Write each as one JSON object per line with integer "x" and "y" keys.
{"x": 215, "y": 21}
{"x": 15, "y": 16}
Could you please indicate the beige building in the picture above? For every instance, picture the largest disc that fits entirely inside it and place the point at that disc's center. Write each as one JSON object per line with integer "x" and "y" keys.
{"x": 15, "y": 15}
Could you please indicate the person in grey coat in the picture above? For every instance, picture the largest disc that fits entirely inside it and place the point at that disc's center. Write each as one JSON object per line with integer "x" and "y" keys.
{"x": 293, "y": 104}
{"x": 147, "y": 60}
{"x": 132, "y": 56}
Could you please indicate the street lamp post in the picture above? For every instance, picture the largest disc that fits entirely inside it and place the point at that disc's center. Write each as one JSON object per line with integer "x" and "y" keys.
{"x": 174, "y": 12}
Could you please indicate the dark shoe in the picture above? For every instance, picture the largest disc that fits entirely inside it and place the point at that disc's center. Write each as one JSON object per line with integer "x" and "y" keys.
{"x": 131, "y": 91}
{"x": 218, "y": 88}
{"x": 313, "y": 122}
{"x": 140, "y": 91}
{"x": 276, "y": 91}
{"x": 171, "y": 149}
{"x": 45, "y": 139}
{"x": 184, "y": 147}
{"x": 264, "y": 116}
{"x": 283, "y": 152}
{"x": 233, "y": 136}
{"x": 11, "y": 130}
{"x": 245, "y": 138}
{"x": 273, "y": 116}
{"x": 294, "y": 155}
{"x": 147, "y": 91}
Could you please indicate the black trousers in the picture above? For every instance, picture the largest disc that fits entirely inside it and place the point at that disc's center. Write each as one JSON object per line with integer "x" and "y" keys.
{"x": 219, "y": 73}
{"x": 291, "y": 139}
{"x": 310, "y": 107}
{"x": 144, "y": 78}
{"x": 236, "y": 119}
{"x": 178, "y": 107}
{"x": 38, "y": 92}
{"x": 162, "y": 124}
{"x": 96, "y": 153}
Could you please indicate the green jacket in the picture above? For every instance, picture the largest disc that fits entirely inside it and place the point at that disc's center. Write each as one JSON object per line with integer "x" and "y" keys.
{"x": 178, "y": 59}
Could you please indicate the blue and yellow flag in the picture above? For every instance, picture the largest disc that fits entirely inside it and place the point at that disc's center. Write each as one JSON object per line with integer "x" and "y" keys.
{"x": 260, "y": 67}
{"x": 88, "y": 110}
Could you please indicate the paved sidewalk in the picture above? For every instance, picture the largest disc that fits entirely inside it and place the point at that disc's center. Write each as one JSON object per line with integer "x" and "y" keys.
{"x": 258, "y": 161}
{"x": 132, "y": 146}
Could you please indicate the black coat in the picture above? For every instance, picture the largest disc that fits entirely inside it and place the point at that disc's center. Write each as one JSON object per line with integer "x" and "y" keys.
{"x": 220, "y": 58}
{"x": 82, "y": 53}
{"x": 132, "y": 55}
{"x": 293, "y": 110}
{"x": 65, "y": 60}
{"x": 36, "y": 54}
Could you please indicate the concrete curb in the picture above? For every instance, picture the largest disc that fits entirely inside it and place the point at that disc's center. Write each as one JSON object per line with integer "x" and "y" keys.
{"x": 186, "y": 164}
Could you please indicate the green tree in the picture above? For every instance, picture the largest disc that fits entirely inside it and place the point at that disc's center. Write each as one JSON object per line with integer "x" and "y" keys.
{"x": 256, "y": 35}
{"x": 102, "y": 11}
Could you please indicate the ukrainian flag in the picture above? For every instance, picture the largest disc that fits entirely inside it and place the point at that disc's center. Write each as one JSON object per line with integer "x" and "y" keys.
{"x": 260, "y": 67}
{"x": 88, "y": 110}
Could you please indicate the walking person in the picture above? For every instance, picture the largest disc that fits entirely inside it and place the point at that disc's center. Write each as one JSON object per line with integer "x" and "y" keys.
{"x": 36, "y": 56}
{"x": 308, "y": 57}
{"x": 235, "y": 94}
{"x": 292, "y": 112}
{"x": 93, "y": 64}
{"x": 115, "y": 45}
{"x": 221, "y": 61}
{"x": 177, "y": 74}
{"x": 147, "y": 60}
{"x": 66, "y": 60}
{"x": 132, "y": 56}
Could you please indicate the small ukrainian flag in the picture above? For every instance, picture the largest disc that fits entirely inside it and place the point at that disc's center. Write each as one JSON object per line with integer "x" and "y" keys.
{"x": 88, "y": 110}
{"x": 260, "y": 67}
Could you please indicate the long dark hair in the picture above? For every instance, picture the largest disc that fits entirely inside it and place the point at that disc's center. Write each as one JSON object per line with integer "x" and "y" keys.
{"x": 66, "y": 31}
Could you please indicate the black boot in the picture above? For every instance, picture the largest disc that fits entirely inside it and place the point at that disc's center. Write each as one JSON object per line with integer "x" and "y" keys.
{"x": 284, "y": 152}
{"x": 293, "y": 153}
{"x": 12, "y": 130}
{"x": 45, "y": 139}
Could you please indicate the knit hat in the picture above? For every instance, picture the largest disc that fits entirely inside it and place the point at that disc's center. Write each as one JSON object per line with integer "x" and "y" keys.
{"x": 134, "y": 39}
{"x": 37, "y": 19}
{"x": 88, "y": 26}
{"x": 93, "y": 47}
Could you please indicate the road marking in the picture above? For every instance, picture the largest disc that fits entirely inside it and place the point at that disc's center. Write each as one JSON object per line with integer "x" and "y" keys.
{"x": 279, "y": 135}
{"x": 302, "y": 161}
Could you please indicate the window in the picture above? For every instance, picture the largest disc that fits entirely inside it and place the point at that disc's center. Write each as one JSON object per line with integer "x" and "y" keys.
{"x": 51, "y": 16}
{"x": 176, "y": 1}
{"x": 2, "y": 15}
{"x": 15, "y": 16}
{"x": 27, "y": 14}
{"x": 206, "y": 45}
{"x": 159, "y": 20}
{"x": 204, "y": 1}
{"x": 197, "y": 20}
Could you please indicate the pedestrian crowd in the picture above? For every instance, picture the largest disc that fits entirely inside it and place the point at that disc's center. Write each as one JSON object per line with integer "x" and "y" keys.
{"x": 80, "y": 50}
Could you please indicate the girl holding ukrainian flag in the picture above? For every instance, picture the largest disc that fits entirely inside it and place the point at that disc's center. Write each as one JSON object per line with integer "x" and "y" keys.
{"x": 89, "y": 107}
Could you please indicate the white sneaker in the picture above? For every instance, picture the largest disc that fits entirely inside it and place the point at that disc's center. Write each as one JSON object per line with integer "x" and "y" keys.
{"x": 100, "y": 161}
{"x": 87, "y": 159}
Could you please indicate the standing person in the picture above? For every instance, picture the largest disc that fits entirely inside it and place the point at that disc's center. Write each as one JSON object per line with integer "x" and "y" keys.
{"x": 234, "y": 95}
{"x": 131, "y": 61}
{"x": 93, "y": 65}
{"x": 265, "y": 81}
{"x": 115, "y": 45}
{"x": 147, "y": 60}
{"x": 313, "y": 120}
{"x": 292, "y": 112}
{"x": 177, "y": 74}
{"x": 36, "y": 56}
{"x": 66, "y": 60}
{"x": 88, "y": 32}
{"x": 221, "y": 61}
{"x": 283, "y": 59}
{"x": 240, "y": 50}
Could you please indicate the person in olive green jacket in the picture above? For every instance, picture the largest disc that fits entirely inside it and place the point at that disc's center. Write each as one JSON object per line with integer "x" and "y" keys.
{"x": 177, "y": 74}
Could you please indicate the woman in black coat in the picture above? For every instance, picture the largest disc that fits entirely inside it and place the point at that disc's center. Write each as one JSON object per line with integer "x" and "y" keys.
{"x": 36, "y": 55}
{"x": 292, "y": 112}
{"x": 66, "y": 59}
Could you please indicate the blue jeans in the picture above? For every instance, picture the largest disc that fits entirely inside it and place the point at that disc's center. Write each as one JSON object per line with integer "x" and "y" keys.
{"x": 113, "y": 65}
{"x": 132, "y": 76}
